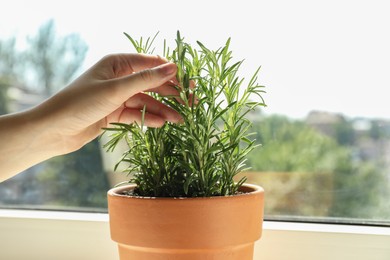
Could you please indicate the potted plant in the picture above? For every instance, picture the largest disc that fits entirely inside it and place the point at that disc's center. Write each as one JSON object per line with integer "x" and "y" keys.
{"x": 182, "y": 200}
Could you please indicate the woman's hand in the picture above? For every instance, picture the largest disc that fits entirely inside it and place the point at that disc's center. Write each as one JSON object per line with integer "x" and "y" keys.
{"x": 110, "y": 91}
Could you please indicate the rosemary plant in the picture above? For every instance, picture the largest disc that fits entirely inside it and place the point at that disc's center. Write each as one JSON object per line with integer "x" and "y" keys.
{"x": 200, "y": 156}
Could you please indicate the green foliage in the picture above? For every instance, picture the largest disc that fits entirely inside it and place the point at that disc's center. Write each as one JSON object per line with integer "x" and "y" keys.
{"x": 8, "y": 71}
{"x": 3, "y": 96}
{"x": 46, "y": 63}
{"x": 301, "y": 168}
{"x": 344, "y": 133}
{"x": 9, "y": 59}
{"x": 201, "y": 155}
{"x": 293, "y": 146}
{"x": 55, "y": 59}
{"x": 76, "y": 179}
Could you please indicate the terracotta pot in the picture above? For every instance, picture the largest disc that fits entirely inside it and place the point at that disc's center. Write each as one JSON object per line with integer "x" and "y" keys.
{"x": 213, "y": 228}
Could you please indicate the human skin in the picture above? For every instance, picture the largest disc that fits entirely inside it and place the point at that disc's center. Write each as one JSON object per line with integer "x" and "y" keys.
{"x": 112, "y": 90}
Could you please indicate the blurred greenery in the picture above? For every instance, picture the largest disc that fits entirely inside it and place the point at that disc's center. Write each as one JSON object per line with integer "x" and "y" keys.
{"x": 293, "y": 146}
{"x": 76, "y": 179}
{"x": 8, "y": 71}
{"x": 309, "y": 173}
{"x": 3, "y": 96}
{"x": 49, "y": 63}
{"x": 307, "y": 170}
{"x": 55, "y": 59}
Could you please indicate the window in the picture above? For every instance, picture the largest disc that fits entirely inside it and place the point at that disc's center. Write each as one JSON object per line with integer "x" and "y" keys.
{"x": 325, "y": 135}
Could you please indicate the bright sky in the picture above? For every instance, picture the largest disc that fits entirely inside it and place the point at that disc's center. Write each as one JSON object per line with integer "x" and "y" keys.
{"x": 330, "y": 55}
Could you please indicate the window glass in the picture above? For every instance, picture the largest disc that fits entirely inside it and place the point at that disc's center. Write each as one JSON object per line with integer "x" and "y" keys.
{"x": 325, "y": 134}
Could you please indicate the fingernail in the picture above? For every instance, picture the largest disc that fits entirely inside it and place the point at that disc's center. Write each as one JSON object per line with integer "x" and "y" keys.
{"x": 174, "y": 117}
{"x": 162, "y": 58}
{"x": 168, "y": 68}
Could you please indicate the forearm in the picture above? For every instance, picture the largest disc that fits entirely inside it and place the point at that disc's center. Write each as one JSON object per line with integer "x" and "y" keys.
{"x": 25, "y": 140}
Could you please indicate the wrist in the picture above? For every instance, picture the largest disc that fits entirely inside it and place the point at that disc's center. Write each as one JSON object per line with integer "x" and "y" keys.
{"x": 47, "y": 137}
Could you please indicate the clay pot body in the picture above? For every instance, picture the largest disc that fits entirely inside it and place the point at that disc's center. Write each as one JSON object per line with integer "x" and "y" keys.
{"x": 214, "y": 228}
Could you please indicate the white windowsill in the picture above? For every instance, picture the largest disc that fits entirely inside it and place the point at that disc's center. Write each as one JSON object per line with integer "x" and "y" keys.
{"x": 327, "y": 228}
{"x": 70, "y": 235}
{"x": 52, "y": 215}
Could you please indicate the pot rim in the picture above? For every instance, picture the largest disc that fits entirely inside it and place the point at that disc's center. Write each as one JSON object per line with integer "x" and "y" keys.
{"x": 247, "y": 188}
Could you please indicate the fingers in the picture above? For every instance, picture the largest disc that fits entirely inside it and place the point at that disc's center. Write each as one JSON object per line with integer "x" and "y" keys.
{"x": 134, "y": 115}
{"x": 125, "y": 64}
{"x": 130, "y": 115}
{"x": 133, "y": 75}
{"x": 152, "y": 106}
{"x": 156, "y": 112}
{"x": 170, "y": 89}
{"x": 125, "y": 87}
{"x": 152, "y": 73}
{"x": 140, "y": 62}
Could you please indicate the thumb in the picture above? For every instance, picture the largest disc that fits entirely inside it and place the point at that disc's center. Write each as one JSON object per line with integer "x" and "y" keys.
{"x": 146, "y": 79}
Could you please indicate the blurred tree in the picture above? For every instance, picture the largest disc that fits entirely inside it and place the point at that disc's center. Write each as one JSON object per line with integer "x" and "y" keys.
{"x": 310, "y": 166}
{"x": 9, "y": 58}
{"x": 55, "y": 59}
{"x": 8, "y": 64}
{"x": 376, "y": 131}
{"x": 3, "y": 96}
{"x": 76, "y": 179}
{"x": 289, "y": 145}
{"x": 51, "y": 62}
{"x": 344, "y": 133}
